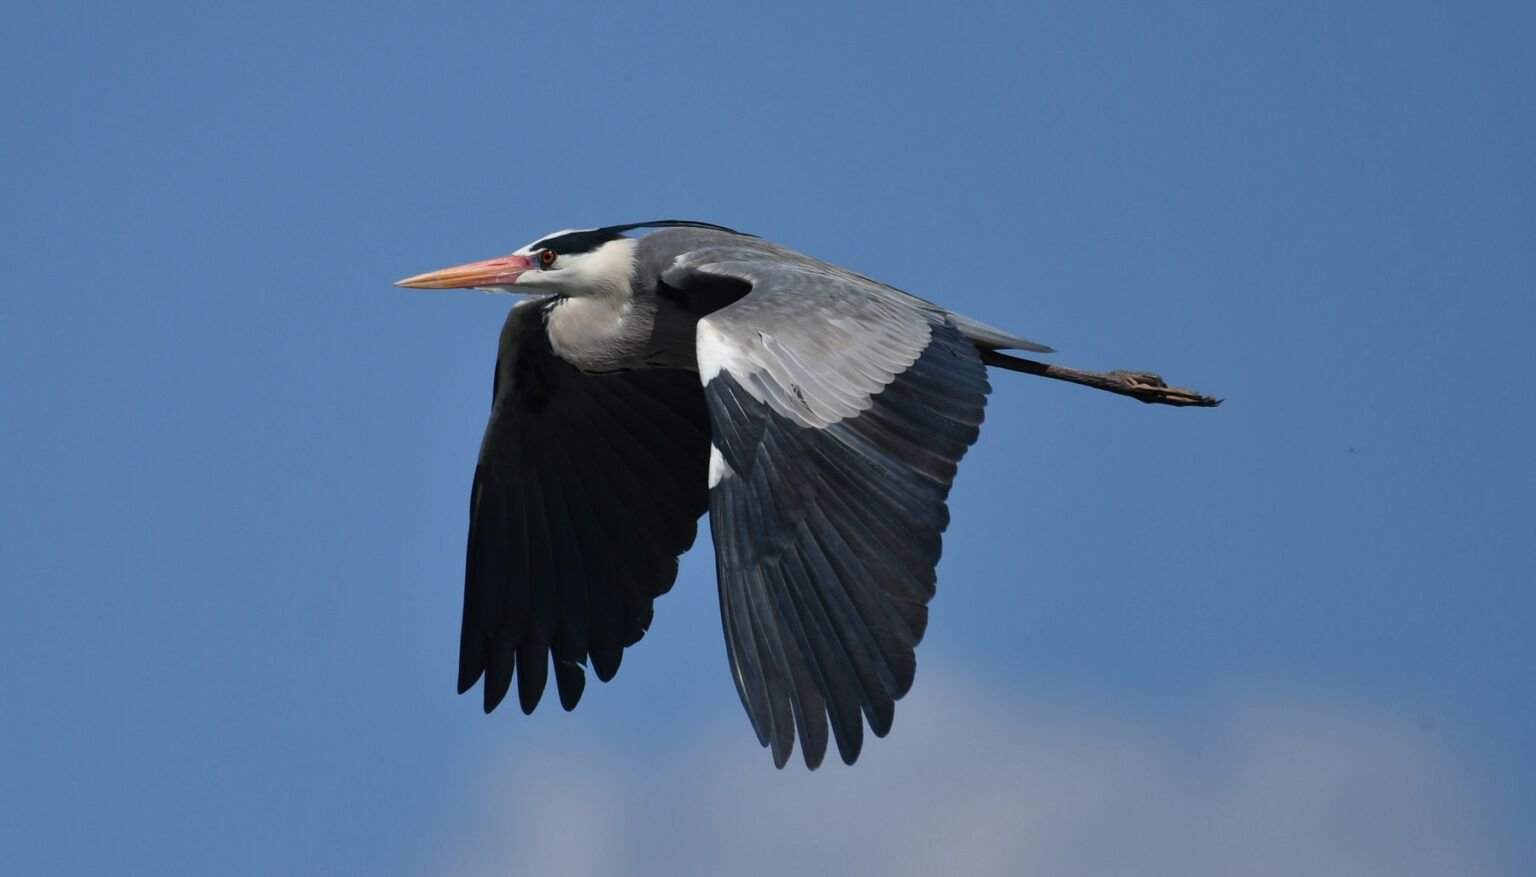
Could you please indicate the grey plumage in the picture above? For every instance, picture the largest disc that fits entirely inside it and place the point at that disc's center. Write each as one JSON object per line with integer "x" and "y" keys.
{"x": 819, "y": 415}
{"x": 826, "y": 541}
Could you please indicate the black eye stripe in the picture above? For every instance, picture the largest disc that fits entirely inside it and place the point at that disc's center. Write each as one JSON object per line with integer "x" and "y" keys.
{"x": 577, "y": 241}
{"x": 589, "y": 240}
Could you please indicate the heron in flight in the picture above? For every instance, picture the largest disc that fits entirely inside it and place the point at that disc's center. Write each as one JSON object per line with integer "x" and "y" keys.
{"x": 816, "y": 414}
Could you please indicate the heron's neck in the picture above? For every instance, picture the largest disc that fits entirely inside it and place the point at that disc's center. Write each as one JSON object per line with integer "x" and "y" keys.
{"x": 595, "y": 327}
{"x": 601, "y": 333}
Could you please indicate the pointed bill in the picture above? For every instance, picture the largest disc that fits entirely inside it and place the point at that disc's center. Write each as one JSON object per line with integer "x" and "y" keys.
{"x": 500, "y": 271}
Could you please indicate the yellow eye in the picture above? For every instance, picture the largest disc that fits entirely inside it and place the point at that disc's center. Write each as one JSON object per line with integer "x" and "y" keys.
{"x": 546, "y": 258}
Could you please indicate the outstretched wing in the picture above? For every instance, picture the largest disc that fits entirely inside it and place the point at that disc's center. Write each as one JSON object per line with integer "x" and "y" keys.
{"x": 839, "y": 408}
{"x": 587, "y": 490}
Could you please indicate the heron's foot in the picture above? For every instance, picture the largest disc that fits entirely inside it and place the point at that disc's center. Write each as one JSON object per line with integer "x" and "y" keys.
{"x": 1140, "y": 379}
{"x": 1151, "y": 388}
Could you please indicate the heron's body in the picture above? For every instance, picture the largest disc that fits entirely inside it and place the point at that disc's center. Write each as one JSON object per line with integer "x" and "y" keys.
{"x": 818, "y": 416}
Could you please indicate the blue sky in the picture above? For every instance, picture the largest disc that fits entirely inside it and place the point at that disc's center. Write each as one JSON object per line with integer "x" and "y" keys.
{"x": 1288, "y": 636}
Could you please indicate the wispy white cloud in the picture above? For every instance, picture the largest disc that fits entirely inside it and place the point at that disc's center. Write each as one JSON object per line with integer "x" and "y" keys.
{"x": 969, "y": 784}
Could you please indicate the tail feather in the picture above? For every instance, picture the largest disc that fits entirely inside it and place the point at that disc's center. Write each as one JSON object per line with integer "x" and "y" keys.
{"x": 989, "y": 338}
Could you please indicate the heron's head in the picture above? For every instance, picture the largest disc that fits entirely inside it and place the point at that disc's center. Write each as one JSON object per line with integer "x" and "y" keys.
{"x": 574, "y": 262}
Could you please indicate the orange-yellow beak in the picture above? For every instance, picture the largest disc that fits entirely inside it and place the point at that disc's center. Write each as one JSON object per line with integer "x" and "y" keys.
{"x": 501, "y": 271}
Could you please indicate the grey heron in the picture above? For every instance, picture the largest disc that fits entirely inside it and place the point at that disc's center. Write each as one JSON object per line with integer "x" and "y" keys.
{"x": 816, "y": 414}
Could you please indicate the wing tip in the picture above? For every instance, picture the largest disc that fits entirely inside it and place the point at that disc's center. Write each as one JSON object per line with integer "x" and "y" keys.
{"x": 492, "y": 698}
{"x": 570, "y": 682}
{"x": 468, "y": 676}
{"x": 781, "y": 755}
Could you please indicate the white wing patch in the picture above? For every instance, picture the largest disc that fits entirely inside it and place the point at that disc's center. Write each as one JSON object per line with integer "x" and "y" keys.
{"x": 718, "y": 468}
{"x": 717, "y": 351}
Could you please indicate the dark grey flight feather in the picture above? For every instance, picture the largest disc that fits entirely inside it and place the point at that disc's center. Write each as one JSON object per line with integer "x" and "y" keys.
{"x": 587, "y": 490}
{"x": 840, "y": 408}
